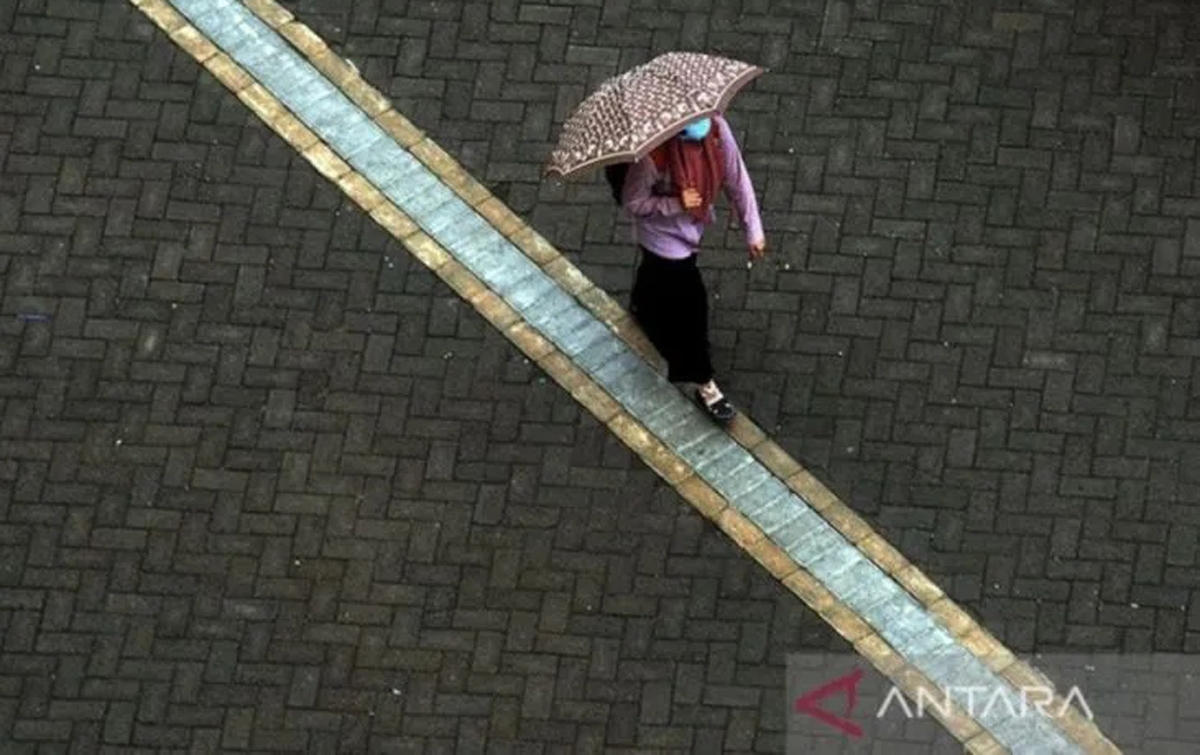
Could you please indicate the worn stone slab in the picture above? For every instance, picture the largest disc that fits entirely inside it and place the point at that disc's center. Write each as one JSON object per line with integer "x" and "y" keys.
{"x": 833, "y": 566}
{"x": 475, "y": 244}
{"x": 509, "y": 272}
{"x": 299, "y": 86}
{"x": 422, "y": 196}
{"x": 566, "y": 330}
{"x": 747, "y": 484}
{"x": 863, "y": 586}
{"x": 768, "y": 497}
{"x": 543, "y": 303}
{"x": 674, "y": 421}
{"x": 490, "y": 257}
{"x": 296, "y": 83}
{"x": 777, "y": 510}
{"x": 718, "y": 466}
{"x": 425, "y": 202}
{"x": 622, "y": 364}
{"x": 669, "y": 408}
{"x": 343, "y": 126}
{"x": 807, "y": 540}
{"x": 634, "y": 388}
{"x": 253, "y": 43}
{"x": 899, "y": 620}
{"x": 463, "y": 224}
{"x": 382, "y": 161}
{"x": 684, "y": 428}
{"x": 699, "y": 453}
{"x": 198, "y": 10}
{"x": 594, "y": 354}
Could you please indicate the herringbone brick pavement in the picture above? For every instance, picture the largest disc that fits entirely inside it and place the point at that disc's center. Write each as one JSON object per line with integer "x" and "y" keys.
{"x": 982, "y": 321}
{"x": 266, "y": 484}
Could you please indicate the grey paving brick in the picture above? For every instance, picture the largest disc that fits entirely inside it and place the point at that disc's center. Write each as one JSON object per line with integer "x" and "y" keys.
{"x": 384, "y": 162}
{"x": 544, "y": 303}
{"x": 402, "y": 180}
{"x": 509, "y": 272}
{"x": 725, "y": 467}
{"x": 343, "y": 126}
{"x": 748, "y": 482}
{"x": 806, "y": 541}
{"x": 462, "y": 229}
{"x": 297, "y": 85}
{"x": 642, "y": 387}
{"x": 568, "y": 330}
{"x": 650, "y": 397}
{"x": 423, "y": 203}
{"x": 592, "y": 337}
{"x": 768, "y": 502}
{"x": 196, "y": 10}
{"x": 685, "y": 429}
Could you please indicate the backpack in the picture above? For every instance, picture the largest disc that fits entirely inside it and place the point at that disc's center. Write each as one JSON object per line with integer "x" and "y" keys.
{"x": 615, "y": 174}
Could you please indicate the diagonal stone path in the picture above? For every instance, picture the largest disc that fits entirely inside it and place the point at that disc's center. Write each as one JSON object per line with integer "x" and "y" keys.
{"x": 786, "y": 521}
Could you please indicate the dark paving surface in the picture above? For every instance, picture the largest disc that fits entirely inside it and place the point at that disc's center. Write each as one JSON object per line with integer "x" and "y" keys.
{"x": 983, "y": 319}
{"x": 264, "y": 483}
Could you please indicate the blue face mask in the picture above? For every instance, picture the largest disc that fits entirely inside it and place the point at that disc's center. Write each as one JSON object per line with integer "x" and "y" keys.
{"x": 697, "y": 130}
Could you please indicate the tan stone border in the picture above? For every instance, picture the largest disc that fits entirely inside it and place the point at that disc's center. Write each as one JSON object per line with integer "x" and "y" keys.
{"x": 591, "y": 395}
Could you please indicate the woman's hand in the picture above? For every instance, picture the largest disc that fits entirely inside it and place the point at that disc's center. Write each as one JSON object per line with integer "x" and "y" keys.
{"x": 691, "y": 199}
{"x": 758, "y": 250}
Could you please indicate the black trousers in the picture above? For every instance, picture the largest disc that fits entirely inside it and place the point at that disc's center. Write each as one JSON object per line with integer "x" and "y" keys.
{"x": 670, "y": 304}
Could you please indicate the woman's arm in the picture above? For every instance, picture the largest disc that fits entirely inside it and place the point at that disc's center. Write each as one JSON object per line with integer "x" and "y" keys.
{"x": 638, "y": 197}
{"x": 738, "y": 186}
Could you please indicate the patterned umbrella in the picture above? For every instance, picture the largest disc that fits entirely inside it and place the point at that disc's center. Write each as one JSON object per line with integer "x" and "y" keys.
{"x": 631, "y": 114}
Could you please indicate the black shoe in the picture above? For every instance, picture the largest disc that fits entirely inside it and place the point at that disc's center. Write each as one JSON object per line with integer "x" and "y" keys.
{"x": 721, "y": 411}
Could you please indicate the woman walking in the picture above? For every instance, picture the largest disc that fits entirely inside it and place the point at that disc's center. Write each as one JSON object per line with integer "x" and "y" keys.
{"x": 670, "y": 194}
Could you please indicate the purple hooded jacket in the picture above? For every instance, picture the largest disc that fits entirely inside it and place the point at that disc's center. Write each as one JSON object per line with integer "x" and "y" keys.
{"x": 660, "y": 222}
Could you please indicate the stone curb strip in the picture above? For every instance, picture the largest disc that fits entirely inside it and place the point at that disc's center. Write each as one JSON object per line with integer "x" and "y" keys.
{"x": 743, "y": 481}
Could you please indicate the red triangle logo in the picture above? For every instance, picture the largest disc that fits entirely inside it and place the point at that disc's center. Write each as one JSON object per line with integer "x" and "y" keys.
{"x": 808, "y": 703}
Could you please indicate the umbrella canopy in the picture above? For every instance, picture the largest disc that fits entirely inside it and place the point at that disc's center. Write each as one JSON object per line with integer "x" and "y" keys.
{"x": 631, "y": 114}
